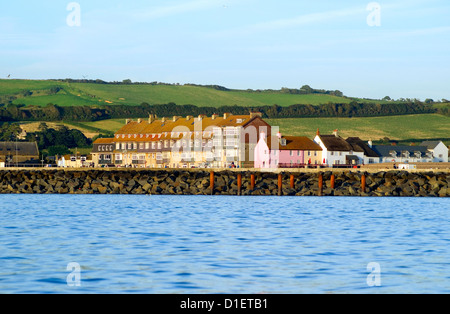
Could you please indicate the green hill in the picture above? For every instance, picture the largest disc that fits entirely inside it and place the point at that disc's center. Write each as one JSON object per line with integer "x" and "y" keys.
{"x": 63, "y": 93}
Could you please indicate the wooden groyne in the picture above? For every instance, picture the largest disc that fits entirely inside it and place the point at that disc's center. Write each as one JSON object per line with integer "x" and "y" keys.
{"x": 225, "y": 182}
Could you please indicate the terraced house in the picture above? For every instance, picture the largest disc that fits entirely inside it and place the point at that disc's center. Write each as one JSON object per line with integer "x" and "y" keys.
{"x": 183, "y": 142}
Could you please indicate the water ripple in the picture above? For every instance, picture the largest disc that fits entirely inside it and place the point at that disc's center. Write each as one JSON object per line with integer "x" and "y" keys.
{"x": 191, "y": 244}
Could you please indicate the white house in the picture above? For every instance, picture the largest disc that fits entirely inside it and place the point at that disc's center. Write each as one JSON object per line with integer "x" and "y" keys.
{"x": 337, "y": 151}
{"x": 438, "y": 149}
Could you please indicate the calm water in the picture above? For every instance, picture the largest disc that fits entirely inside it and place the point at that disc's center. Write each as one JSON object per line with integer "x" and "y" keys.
{"x": 202, "y": 244}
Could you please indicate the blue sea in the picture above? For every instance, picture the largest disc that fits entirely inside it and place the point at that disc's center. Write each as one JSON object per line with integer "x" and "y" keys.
{"x": 223, "y": 244}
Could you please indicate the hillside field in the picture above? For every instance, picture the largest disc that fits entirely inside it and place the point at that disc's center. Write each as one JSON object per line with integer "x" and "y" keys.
{"x": 91, "y": 94}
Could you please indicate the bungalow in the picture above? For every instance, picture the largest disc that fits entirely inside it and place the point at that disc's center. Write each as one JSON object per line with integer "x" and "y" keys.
{"x": 286, "y": 152}
{"x": 337, "y": 151}
{"x": 403, "y": 154}
{"x": 438, "y": 149}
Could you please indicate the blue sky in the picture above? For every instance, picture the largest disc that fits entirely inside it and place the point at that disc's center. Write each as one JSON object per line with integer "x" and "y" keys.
{"x": 235, "y": 43}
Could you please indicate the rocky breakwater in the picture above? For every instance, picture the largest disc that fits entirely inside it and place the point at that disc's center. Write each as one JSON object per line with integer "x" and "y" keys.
{"x": 198, "y": 182}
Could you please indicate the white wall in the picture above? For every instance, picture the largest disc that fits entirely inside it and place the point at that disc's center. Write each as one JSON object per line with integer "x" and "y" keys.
{"x": 440, "y": 149}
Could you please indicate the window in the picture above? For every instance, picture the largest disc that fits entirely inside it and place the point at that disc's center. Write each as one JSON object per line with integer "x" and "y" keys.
{"x": 130, "y": 145}
{"x": 118, "y": 156}
{"x": 159, "y": 145}
{"x": 291, "y": 153}
{"x": 141, "y": 145}
{"x": 147, "y": 145}
{"x": 117, "y": 145}
{"x": 107, "y": 157}
{"x": 135, "y": 145}
{"x": 153, "y": 145}
{"x": 309, "y": 153}
{"x": 332, "y": 154}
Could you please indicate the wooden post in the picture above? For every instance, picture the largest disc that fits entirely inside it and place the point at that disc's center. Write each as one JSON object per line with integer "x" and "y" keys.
{"x": 320, "y": 192}
{"x": 292, "y": 181}
{"x": 239, "y": 183}
{"x": 252, "y": 182}
{"x": 332, "y": 183}
{"x": 280, "y": 184}
{"x": 211, "y": 182}
{"x": 363, "y": 183}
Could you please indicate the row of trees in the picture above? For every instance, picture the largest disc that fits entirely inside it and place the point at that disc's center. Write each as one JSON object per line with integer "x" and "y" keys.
{"x": 85, "y": 113}
{"x": 57, "y": 141}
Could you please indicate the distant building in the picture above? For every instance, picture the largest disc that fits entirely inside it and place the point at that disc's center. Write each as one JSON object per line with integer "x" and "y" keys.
{"x": 103, "y": 152}
{"x": 438, "y": 149}
{"x": 337, "y": 151}
{"x": 286, "y": 152}
{"x": 369, "y": 155}
{"x": 20, "y": 153}
{"x": 403, "y": 154}
{"x": 183, "y": 142}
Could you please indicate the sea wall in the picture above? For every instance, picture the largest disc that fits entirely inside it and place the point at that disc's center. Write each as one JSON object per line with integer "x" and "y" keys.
{"x": 225, "y": 182}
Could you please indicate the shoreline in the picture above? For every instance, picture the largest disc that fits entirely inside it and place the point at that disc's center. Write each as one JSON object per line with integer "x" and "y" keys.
{"x": 281, "y": 182}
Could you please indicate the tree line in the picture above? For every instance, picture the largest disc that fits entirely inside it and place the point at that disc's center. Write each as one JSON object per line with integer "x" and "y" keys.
{"x": 53, "y": 112}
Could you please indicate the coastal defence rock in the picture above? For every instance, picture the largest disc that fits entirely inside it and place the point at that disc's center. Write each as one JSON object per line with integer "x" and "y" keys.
{"x": 197, "y": 182}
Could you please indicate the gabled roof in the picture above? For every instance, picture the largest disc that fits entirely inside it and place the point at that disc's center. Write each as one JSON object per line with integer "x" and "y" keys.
{"x": 430, "y": 144}
{"x": 337, "y": 143}
{"x": 385, "y": 150}
{"x": 23, "y": 148}
{"x": 356, "y": 141}
{"x": 104, "y": 141}
{"x": 299, "y": 143}
{"x": 146, "y": 130}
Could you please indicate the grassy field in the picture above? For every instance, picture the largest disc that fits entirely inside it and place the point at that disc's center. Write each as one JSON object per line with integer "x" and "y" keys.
{"x": 88, "y": 94}
{"x": 402, "y": 128}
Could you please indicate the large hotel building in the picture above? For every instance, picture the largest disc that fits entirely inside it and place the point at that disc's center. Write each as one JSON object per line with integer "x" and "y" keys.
{"x": 183, "y": 142}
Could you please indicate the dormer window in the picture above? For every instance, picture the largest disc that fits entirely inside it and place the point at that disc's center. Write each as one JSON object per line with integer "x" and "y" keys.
{"x": 283, "y": 142}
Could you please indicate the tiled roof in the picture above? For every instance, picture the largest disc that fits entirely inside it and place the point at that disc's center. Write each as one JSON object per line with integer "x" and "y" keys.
{"x": 357, "y": 142}
{"x": 337, "y": 143}
{"x": 104, "y": 141}
{"x": 182, "y": 124}
{"x": 293, "y": 143}
{"x": 385, "y": 150}
{"x": 23, "y": 148}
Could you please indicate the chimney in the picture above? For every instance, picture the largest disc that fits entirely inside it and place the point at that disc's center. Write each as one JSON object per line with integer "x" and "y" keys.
{"x": 226, "y": 115}
{"x": 279, "y": 135}
{"x": 318, "y": 132}
{"x": 189, "y": 118}
{"x": 139, "y": 120}
{"x": 370, "y": 143}
{"x": 151, "y": 118}
{"x": 255, "y": 114}
{"x": 127, "y": 121}
{"x": 200, "y": 117}
{"x": 335, "y": 132}
{"x": 214, "y": 116}
{"x": 175, "y": 118}
{"x": 163, "y": 120}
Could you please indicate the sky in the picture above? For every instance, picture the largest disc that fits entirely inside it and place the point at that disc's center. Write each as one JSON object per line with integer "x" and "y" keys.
{"x": 396, "y": 48}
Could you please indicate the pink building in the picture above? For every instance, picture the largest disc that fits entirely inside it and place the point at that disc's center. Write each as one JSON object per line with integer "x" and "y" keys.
{"x": 286, "y": 152}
